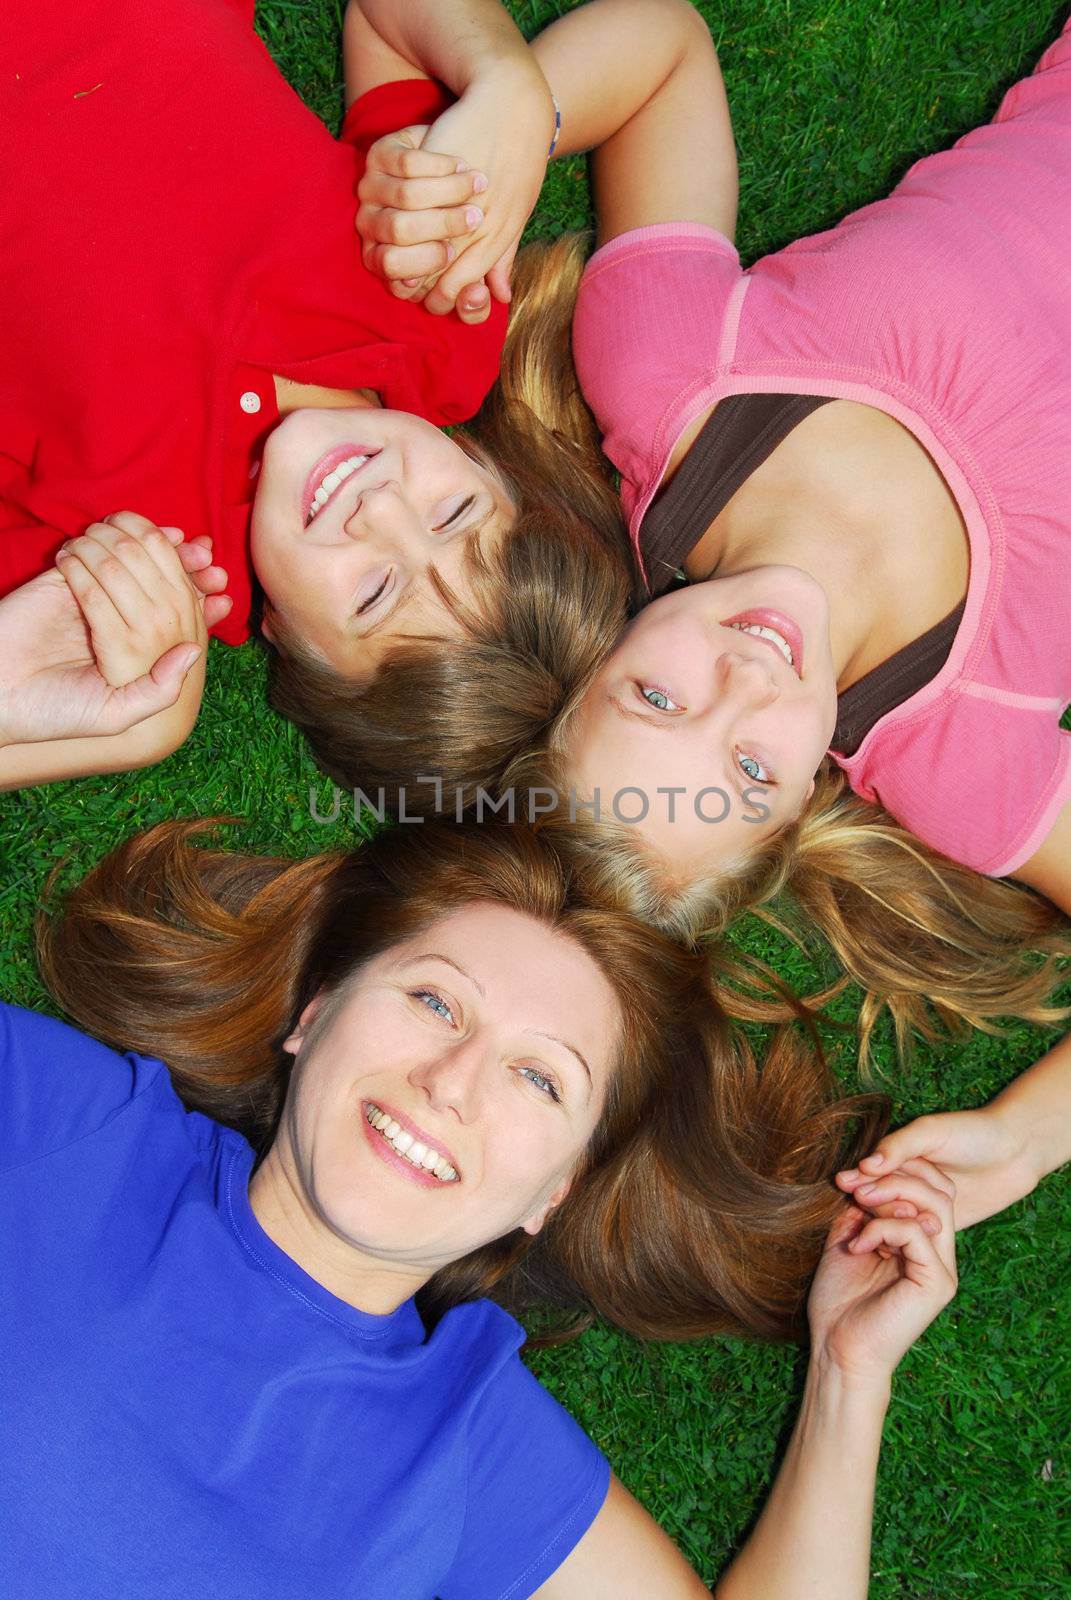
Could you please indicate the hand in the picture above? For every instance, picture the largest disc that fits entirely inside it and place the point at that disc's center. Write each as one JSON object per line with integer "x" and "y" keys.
{"x": 882, "y": 1280}
{"x": 983, "y": 1153}
{"x": 50, "y": 684}
{"x": 413, "y": 203}
{"x": 501, "y": 127}
{"x": 134, "y": 594}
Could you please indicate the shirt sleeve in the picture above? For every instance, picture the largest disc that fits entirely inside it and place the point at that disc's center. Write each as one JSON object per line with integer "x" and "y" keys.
{"x": 442, "y": 368}
{"x": 647, "y": 340}
{"x": 536, "y": 1484}
{"x": 57, "y": 1085}
{"x": 984, "y": 789}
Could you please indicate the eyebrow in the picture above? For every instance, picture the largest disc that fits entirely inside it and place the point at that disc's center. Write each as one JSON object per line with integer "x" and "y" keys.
{"x": 434, "y": 955}
{"x": 571, "y": 1049}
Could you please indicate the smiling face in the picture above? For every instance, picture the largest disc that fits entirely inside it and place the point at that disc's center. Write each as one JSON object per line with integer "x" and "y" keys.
{"x": 446, "y": 1104}
{"x": 355, "y": 510}
{"x": 724, "y": 691}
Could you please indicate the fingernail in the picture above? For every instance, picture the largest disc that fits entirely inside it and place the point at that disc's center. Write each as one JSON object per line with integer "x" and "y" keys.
{"x": 462, "y": 166}
{"x": 451, "y": 252}
{"x": 902, "y": 1211}
{"x": 872, "y": 1161}
{"x": 473, "y": 216}
{"x": 479, "y": 183}
{"x": 187, "y": 661}
{"x": 866, "y": 1188}
{"x": 411, "y": 283}
{"x": 930, "y": 1225}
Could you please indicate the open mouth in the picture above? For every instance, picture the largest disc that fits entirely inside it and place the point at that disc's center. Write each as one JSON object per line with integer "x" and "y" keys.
{"x": 779, "y": 632}
{"x": 426, "y": 1158}
{"x": 328, "y": 476}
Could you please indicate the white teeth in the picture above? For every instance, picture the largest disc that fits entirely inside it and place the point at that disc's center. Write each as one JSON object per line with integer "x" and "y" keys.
{"x": 761, "y": 632}
{"x": 328, "y": 485}
{"x": 414, "y": 1150}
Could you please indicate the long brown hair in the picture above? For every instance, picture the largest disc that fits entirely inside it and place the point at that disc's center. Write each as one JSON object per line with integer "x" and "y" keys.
{"x": 548, "y": 600}
{"x": 703, "y": 1198}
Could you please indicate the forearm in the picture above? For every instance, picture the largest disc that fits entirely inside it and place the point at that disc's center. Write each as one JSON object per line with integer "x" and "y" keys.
{"x": 812, "y": 1541}
{"x": 456, "y": 41}
{"x": 1037, "y": 1107}
{"x": 605, "y": 61}
{"x": 147, "y": 742}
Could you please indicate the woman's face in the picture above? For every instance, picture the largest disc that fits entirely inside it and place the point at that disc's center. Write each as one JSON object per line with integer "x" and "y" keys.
{"x": 717, "y": 706}
{"x": 449, "y": 1100}
{"x": 354, "y": 511}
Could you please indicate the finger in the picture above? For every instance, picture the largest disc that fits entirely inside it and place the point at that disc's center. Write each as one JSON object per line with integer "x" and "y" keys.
{"x": 398, "y": 262}
{"x": 401, "y": 155}
{"x": 154, "y": 692}
{"x": 931, "y": 1174}
{"x": 911, "y": 1140}
{"x": 194, "y": 557}
{"x": 210, "y": 580}
{"x": 887, "y": 1195}
{"x": 474, "y": 303}
{"x": 382, "y": 225}
{"x": 124, "y": 592}
{"x": 416, "y": 194}
{"x": 131, "y": 522}
{"x": 499, "y": 275}
{"x": 144, "y": 549}
{"x": 217, "y": 606}
{"x": 909, "y": 1239}
{"x": 94, "y": 602}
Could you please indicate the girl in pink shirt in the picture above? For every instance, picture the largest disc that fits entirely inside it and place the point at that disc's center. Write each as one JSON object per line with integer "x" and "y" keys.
{"x": 861, "y": 444}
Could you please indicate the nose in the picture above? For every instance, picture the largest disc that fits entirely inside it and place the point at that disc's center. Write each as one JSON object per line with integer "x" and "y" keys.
{"x": 454, "y": 1079}
{"x": 744, "y": 681}
{"x": 383, "y": 514}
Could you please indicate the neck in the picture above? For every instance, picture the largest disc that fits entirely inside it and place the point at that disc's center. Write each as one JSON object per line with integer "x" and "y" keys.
{"x": 288, "y": 1216}
{"x": 291, "y": 396}
{"x": 851, "y": 498}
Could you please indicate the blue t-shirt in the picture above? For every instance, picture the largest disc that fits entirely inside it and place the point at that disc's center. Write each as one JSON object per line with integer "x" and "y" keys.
{"x": 184, "y": 1412}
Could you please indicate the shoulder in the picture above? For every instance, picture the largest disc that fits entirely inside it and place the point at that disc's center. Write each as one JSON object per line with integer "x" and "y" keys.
{"x": 58, "y": 1085}
{"x": 647, "y": 335}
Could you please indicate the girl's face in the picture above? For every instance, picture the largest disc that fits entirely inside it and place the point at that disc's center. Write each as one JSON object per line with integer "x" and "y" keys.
{"x": 446, "y": 1104}
{"x": 354, "y": 511}
{"x": 717, "y": 706}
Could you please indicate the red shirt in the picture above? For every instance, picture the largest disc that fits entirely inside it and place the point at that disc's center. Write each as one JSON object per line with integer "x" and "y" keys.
{"x": 177, "y": 228}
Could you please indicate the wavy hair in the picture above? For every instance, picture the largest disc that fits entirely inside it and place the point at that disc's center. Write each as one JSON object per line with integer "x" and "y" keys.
{"x": 548, "y": 600}
{"x": 702, "y": 1201}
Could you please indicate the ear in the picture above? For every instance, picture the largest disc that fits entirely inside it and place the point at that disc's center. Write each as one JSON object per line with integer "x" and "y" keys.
{"x": 810, "y": 789}
{"x": 535, "y": 1222}
{"x": 293, "y": 1041}
{"x": 266, "y": 627}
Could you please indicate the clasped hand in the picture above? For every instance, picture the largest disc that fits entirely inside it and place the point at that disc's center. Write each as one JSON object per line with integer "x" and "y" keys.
{"x": 106, "y": 639}
{"x": 443, "y": 207}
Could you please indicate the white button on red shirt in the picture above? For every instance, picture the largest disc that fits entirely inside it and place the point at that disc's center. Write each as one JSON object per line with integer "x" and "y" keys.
{"x": 250, "y": 402}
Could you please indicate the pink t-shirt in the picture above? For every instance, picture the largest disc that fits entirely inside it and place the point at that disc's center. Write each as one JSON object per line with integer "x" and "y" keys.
{"x": 948, "y": 306}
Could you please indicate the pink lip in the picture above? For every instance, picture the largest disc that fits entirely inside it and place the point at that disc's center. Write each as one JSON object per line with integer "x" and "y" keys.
{"x": 326, "y": 464}
{"x": 782, "y": 625}
{"x": 386, "y": 1151}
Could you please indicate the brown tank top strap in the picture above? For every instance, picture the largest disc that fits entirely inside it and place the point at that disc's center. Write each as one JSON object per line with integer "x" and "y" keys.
{"x": 740, "y": 433}
{"x": 892, "y": 683}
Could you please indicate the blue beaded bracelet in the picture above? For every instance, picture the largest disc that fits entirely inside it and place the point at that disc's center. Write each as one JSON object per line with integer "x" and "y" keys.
{"x": 557, "y": 126}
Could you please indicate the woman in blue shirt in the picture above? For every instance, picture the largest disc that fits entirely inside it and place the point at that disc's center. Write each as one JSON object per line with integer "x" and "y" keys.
{"x": 259, "y": 1365}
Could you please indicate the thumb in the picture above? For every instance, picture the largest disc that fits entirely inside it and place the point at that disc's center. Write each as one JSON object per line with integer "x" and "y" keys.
{"x": 169, "y": 673}
{"x": 154, "y": 691}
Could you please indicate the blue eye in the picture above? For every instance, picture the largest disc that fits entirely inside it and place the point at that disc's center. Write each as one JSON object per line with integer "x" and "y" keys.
{"x": 754, "y": 769}
{"x": 434, "y": 1003}
{"x": 658, "y": 698}
{"x": 541, "y": 1081}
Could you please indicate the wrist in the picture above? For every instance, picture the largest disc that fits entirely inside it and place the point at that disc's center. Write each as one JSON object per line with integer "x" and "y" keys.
{"x": 1027, "y": 1133}
{"x": 837, "y": 1386}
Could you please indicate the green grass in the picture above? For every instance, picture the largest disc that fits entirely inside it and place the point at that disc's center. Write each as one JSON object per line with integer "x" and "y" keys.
{"x": 832, "y": 100}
